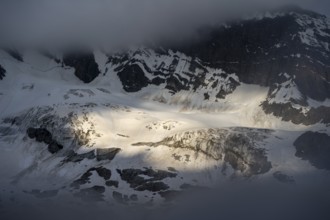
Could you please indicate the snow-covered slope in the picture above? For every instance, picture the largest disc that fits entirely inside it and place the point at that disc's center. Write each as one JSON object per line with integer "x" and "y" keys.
{"x": 149, "y": 124}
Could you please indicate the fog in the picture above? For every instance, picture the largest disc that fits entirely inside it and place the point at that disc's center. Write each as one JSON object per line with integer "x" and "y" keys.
{"x": 117, "y": 23}
{"x": 230, "y": 202}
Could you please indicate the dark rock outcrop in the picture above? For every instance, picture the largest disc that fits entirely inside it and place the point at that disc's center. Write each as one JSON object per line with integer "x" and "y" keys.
{"x": 106, "y": 153}
{"x": 82, "y": 180}
{"x": 31, "y": 132}
{"x": 175, "y": 85}
{"x": 86, "y": 69}
{"x": 113, "y": 183}
{"x": 2, "y": 72}
{"x": 99, "y": 154}
{"x": 288, "y": 113}
{"x": 134, "y": 177}
{"x": 135, "y": 73}
{"x": 152, "y": 187}
{"x": 103, "y": 172}
{"x": 54, "y": 147}
{"x": 315, "y": 148}
{"x": 74, "y": 157}
{"x": 43, "y": 135}
{"x": 133, "y": 78}
{"x": 85, "y": 178}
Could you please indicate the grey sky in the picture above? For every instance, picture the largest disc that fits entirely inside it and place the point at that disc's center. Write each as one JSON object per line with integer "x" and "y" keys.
{"x": 321, "y": 6}
{"x": 120, "y": 22}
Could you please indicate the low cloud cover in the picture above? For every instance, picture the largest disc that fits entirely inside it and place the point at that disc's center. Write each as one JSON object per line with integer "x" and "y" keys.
{"x": 116, "y": 23}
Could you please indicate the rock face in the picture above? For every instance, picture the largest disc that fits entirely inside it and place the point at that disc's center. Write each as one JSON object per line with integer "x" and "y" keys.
{"x": 66, "y": 128}
{"x": 43, "y": 135}
{"x": 98, "y": 154}
{"x": 314, "y": 147}
{"x": 296, "y": 115}
{"x": 40, "y": 134}
{"x": 135, "y": 178}
{"x": 74, "y": 157}
{"x": 85, "y": 178}
{"x": 54, "y": 147}
{"x": 258, "y": 50}
{"x": 106, "y": 153}
{"x": 86, "y": 69}
{"x": 133, "y": 78}
{"x": 285, "y": 51}
{"x": 238, "y": 147}
{"x": 173, "y": 71}
{"x": 2, "y": 72}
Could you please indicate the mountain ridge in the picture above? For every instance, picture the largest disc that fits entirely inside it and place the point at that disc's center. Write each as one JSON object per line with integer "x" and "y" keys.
{"x": 146, "y": 125}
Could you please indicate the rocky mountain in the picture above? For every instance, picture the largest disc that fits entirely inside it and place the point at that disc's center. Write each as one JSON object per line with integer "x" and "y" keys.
{"x": 248, "y": 101}
{"x": 282, "y": 51}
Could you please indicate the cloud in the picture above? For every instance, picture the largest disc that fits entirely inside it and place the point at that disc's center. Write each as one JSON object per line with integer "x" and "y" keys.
{"x": 114, "y": 23}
